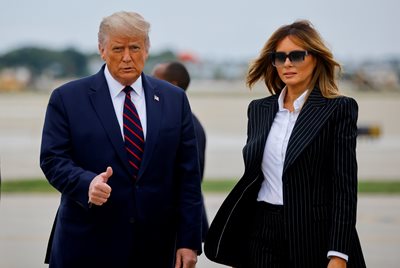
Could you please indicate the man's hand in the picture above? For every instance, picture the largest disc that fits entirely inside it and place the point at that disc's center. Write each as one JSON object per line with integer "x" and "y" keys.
{"x": 336, "y": 262}
{"x": 99, "y": 190}
{"x": 186, "y": 258}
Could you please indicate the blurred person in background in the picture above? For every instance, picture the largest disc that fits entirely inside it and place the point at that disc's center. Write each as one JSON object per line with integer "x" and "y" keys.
{"x": 296, "y": 204}
{"x": 177, "y": 74}
{"x": 120, "y": 147}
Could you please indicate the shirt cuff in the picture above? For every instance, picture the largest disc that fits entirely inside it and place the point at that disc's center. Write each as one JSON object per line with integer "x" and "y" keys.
{"x": 337, "y": 254}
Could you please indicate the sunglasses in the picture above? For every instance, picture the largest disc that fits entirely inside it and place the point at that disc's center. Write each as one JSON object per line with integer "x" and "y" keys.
{"x": 295, "y": 57}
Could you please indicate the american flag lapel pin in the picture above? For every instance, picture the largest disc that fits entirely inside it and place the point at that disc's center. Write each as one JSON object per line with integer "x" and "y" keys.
{"x": 156, "y": 98}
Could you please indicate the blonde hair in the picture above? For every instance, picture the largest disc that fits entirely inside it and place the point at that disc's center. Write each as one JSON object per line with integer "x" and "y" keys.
{"x": 303, "y": 34}
{"x": 124, "y": 23}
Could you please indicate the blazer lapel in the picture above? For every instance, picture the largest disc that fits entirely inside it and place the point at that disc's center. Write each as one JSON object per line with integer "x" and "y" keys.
{"x": 154, "y": 104}
{"x": 101, "y": 100}
{"x": 270, "y": 107}
{"x": 259, "y": 127}
{"x": 312, "y": 117}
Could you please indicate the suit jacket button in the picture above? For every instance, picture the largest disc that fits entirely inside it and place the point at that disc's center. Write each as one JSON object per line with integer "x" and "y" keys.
{"x": 131, "y": 220}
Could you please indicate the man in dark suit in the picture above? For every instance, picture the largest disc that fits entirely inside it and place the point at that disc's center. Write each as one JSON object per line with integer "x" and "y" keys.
{"x": 120, "y": 147}
{"x": 177, "y": 74}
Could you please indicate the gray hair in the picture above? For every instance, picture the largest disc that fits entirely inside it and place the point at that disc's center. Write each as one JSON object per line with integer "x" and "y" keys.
{"x": 124, "y": 23}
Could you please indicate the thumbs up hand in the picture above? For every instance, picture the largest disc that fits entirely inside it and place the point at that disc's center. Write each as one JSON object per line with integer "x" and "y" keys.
{"x": 99, "y": 190}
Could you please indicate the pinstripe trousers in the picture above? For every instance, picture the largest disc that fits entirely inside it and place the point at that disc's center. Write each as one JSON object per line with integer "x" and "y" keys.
{"x": 267, "y": 243}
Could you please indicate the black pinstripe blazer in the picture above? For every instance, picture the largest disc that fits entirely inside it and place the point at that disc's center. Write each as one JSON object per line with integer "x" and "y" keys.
{"x": 319, "y": 184}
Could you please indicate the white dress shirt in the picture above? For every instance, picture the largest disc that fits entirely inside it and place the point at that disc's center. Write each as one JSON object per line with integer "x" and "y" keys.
{"x": 275, "y": 150}
{"x": 118, "y": 99}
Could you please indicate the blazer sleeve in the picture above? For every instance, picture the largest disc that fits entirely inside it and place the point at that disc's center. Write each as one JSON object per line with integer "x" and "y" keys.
{"x": 190, "y": 205}
{"x": 344, "y": 176}
{"x": 55, "y": 154}
{"x": 201, "y": 143}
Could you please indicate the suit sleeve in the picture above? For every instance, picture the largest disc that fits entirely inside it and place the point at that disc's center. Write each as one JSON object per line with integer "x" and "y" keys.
{"x": 201, "y": 143}
{"x": 190, "y": 200}
{"x": 55, "y": 155}
{"x": 345, "y": 176}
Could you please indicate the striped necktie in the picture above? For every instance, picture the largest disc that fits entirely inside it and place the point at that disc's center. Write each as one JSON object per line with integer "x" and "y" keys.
{"x": 133, "y": 133}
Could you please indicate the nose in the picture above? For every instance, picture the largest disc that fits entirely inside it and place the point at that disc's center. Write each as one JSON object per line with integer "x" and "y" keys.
{"x": 127, "y": 56}
{"x": 287, "y": 61}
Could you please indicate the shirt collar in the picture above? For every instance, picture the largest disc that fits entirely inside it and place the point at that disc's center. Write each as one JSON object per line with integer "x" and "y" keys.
{"x": 116, "y": 87}
{"x": 298, "y": 103}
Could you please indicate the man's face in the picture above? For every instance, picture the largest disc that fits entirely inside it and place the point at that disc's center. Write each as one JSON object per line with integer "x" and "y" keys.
{"x": 125, "y": 57}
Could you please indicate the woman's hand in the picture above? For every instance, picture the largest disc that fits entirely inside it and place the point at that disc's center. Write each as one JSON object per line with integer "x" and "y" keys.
{"x": 336, "y": 262}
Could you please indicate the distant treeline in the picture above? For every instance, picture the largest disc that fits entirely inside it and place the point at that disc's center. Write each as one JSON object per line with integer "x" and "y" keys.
{"x": 37, "y": 64}
{"x": 63, "y": 63}
{"x": 60, "y": 63}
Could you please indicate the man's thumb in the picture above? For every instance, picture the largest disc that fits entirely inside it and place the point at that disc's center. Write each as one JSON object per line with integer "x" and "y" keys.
{"x": 106, "y": 175}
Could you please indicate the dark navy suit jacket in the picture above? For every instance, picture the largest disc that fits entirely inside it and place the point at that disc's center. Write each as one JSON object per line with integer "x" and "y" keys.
{"x": 144, "y": 221}
{"x": 201, "y": 145}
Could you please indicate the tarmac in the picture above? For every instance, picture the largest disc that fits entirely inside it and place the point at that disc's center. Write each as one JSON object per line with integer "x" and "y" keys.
{"x": 26, "y": 220}
{"x": 223, "y": 113}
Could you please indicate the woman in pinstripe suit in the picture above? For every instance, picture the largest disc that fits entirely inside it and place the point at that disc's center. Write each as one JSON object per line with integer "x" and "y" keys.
{"x": 295, "y": 205}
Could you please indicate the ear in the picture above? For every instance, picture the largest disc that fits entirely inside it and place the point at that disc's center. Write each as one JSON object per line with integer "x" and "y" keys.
{"x": 101, "y": 51}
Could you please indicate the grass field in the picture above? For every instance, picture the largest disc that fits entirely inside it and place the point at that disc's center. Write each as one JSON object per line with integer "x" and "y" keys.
{"x": 209, "y": 186}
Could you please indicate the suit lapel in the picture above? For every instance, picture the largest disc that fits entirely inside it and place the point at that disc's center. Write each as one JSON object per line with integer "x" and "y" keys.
{"x": 101, "y": 100}
{"x": 259, "y": 127}
{"x": 154, "y": 102}
{"x": 270, "y": 108}
{"x": 312, "y": 117}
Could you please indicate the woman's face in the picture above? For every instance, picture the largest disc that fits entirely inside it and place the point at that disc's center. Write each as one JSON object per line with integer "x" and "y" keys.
{"x": 295, "y": 72}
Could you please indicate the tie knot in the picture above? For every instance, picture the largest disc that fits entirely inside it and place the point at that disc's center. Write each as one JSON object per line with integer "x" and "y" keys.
{"x": 127, "y": 89}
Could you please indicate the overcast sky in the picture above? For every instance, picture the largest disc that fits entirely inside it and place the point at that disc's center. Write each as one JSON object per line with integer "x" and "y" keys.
{"x": 353, "y": 29}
